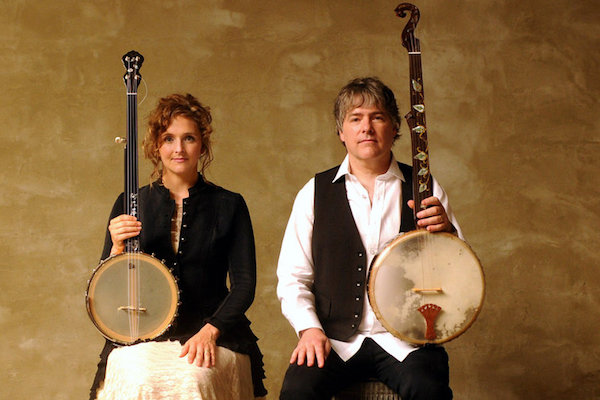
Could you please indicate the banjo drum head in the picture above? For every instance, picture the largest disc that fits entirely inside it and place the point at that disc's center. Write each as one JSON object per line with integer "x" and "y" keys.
{"x": 107, "y": 295}
{"x": 426, "y": 270}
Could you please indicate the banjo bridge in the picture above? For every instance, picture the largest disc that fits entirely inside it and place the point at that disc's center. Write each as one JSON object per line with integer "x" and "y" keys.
{"x": 132, "y": 309}
{"x": 428, "y": 290}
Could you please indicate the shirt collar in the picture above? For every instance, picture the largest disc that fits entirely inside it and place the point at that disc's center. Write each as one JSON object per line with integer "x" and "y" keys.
{"x": 393, "y": 170}
{"x": 199, "y": 185}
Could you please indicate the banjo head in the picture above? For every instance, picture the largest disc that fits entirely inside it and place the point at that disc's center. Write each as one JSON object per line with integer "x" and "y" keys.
{"x": 426, "y": 287}
{"x": 107, "y": 298}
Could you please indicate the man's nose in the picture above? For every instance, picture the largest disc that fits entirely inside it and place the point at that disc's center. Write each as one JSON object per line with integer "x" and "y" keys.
{"x": 366, "y": 125}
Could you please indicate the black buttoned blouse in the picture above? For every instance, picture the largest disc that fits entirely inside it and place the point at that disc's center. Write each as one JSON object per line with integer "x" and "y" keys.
{"x": 216, "y": 241}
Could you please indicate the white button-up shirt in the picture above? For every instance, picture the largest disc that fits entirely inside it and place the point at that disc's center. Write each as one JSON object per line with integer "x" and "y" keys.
{"x": 378, "y": 222}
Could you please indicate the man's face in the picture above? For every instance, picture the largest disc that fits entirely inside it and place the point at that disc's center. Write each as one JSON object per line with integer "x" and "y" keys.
{"x": 368, "y": 133}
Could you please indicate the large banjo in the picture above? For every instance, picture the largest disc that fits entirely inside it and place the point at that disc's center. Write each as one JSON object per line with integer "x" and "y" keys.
{"x": 132, "y": 296}
{"x": 424, "y": 287}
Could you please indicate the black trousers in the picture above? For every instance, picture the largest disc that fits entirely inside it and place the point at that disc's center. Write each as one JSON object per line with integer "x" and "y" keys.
{"x": 423, "y": 375}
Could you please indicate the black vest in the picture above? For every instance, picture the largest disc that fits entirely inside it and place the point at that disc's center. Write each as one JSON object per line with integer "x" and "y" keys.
{"x": 339, "y": 255}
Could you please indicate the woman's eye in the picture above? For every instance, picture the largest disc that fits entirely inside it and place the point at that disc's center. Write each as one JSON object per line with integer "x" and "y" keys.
{"x": 168, "y": 139}
{"x": 190, "y": 138}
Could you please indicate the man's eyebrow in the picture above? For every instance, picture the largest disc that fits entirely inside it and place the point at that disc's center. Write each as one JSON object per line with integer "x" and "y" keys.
{"x": 378, "y": 112}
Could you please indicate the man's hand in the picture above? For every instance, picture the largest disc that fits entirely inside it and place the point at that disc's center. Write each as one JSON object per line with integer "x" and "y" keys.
{"x": 434, "y": 217}
{"x": 313, "y": 344}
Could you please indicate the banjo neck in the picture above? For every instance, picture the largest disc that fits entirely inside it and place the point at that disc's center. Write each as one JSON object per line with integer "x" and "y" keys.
{"x": 147, "y": 307}
{"x": 422, "y": 182}
{"x": 132, "y": 62}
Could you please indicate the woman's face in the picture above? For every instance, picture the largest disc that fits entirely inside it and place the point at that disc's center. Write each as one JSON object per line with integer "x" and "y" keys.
{"x": 180, "y": 148}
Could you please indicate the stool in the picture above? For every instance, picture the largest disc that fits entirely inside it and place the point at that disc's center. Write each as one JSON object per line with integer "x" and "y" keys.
{"x": 371, "y": 389}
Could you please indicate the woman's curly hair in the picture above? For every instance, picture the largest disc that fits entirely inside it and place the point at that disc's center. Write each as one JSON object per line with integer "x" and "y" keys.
{"x": 160, "y": 119}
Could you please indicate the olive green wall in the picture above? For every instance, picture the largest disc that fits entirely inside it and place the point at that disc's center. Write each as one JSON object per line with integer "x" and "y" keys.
{"x": 512, "y": 92}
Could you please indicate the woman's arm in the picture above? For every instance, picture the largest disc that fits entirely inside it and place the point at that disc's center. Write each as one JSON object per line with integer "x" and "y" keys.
{"x": 116, "y": 211}
{"x": 120, "y": 228}
{"x": 241, "y": 259}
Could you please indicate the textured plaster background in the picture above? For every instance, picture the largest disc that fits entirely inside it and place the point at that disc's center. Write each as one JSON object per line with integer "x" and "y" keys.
{"x": 512, "y": 92}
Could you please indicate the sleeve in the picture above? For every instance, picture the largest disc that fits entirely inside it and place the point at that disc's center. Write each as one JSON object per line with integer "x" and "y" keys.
{"x": 295, "y": 271}
{"x": 439, "y": 192}
{"x": 117, "y": 210}
{"x": 241, "y": 258}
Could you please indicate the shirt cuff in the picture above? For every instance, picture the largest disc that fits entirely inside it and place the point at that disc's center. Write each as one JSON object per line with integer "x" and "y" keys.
{"x": 306, "y": 323}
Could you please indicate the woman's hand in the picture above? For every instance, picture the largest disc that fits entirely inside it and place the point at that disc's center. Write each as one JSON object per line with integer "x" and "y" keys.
{"x": 434, "y": 217}
{"x": 121, "y": 228}
{"x": 202, "y": 347}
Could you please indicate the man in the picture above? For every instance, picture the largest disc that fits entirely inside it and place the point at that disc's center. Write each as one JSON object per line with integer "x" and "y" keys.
{"x": 340, "y": 220}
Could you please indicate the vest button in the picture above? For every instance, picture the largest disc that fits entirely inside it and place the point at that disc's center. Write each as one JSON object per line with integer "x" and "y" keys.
{"x": 356, "y": 315}
{"x": 357, "y": 284}
{"x": 360, "y": 254}
{"x": 360, "y": 268}
{"x": 353, "y": 326}
{"x": 357, "y": 298}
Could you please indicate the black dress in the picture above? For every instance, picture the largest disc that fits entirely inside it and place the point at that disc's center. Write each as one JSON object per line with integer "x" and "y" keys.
{"x": 216, "y": 240}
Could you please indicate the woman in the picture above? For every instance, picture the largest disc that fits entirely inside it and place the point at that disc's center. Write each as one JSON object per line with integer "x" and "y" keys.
{"x": 204, "y": 234}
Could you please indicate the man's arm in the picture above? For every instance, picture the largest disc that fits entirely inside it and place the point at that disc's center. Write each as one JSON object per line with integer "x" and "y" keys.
{"x": 434, "y": 218}
{"x": 295, "y": 281}
{"x": 438, "y": 217}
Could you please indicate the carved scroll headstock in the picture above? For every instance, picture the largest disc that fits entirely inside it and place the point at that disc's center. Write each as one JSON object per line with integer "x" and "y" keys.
{"x": 422, "y": 182}
{"x": 408, "y": 34}
{"x": 132, "y": 61}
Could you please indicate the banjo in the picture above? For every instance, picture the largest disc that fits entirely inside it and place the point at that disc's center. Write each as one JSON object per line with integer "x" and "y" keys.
{"x": 424, "y": 287}
{"x": 132, "y": 296}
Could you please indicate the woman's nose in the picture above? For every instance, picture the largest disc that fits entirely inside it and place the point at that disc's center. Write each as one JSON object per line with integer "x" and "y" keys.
{"x": 178, "y": 145}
